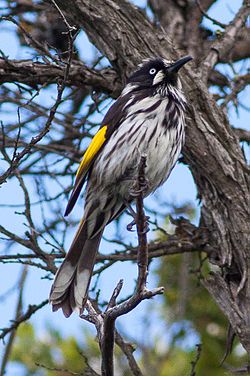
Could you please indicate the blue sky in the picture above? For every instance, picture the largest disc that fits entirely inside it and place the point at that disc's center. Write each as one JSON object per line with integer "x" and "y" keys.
{"x": 179, "y": 188}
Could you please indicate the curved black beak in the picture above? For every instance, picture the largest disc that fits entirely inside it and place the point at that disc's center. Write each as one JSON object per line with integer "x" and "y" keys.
{"x": 178, "y": 64}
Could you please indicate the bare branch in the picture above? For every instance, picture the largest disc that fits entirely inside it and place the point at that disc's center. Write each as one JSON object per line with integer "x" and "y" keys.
{"x": 34, "y": 73}
{"x": 242, "y": 134}
{"x": 19, "y": 305}
{"x": 239, "y": 84}
{"x": 88, "y": 372}
{"x": 35, "y": 139}
{"x": 215, "y": 22}
{"x": 224, "y": 297}
{"x": 226, "y": 41}
{"x": 105, "y": 323}
{"x": 141, "y": 225}
{"x": 195, "y": 361}
{"x": 60, "y": 88}
{"x": 128, "y": 349}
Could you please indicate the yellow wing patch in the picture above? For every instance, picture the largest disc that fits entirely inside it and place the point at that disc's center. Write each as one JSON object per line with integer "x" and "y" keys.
{"x": 92, "y": 150}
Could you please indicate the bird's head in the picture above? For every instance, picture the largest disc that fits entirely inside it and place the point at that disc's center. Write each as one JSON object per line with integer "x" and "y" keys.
{"x": 158, "y": 74}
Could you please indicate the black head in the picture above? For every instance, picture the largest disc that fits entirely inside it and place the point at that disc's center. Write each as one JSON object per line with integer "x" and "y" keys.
{"x": 157, "y": 72}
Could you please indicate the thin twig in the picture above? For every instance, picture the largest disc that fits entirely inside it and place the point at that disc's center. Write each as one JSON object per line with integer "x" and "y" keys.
{"x": 214, "y": 21}
{"x": 60, "y": 88}
{"x": 30, "y": 311}
{"x": 223, "y": 44}
{"x": 128, "y": 350}
{"x": 11, "y": 339}
{"x": 69, "y": 27}
{"x": 195, "y": 361}
{"x": 239, "y": 84}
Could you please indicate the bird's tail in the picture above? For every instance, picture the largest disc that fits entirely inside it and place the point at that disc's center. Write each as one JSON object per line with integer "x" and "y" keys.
{"x": 70, "y": 287}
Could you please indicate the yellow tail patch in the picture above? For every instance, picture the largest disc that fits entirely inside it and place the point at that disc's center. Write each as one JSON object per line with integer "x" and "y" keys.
{"x": 92, "y": 150}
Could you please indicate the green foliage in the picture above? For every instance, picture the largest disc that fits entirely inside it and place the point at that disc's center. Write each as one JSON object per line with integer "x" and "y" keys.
{"x": 51, "y": 354}
{"x": 51, "y": 351}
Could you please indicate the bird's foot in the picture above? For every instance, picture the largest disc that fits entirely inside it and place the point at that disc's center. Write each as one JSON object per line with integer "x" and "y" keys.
{"x": 134, "y": 191}
{"x": 133, "y": 223}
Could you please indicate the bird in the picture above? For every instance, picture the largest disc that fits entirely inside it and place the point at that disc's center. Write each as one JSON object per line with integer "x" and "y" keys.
{"x": 148, "y": 118}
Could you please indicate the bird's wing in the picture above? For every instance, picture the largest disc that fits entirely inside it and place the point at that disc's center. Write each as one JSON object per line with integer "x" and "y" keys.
{"x": 110, "y": 122}
{"x": 86, "y": 162}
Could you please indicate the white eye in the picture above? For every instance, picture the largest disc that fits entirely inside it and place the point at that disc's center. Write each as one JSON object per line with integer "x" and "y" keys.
{"x": 152, "y": 71}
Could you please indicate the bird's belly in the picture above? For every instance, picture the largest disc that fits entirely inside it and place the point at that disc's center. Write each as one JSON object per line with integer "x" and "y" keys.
{"x": 162, "y": 154}
{"x": 117, "y": 170}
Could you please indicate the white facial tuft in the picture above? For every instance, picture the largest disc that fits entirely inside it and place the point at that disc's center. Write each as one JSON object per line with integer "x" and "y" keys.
{"x": 159, "y": 77}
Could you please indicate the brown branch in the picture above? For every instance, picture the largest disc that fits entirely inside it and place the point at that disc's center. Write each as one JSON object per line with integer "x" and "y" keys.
{"x": 141, "y": 226}
{"x": 155, "y": 250}
{"x": 107, "y": 337}
{"x": 27, "y": 149}
{"x": 187, "y": 239}
{"x": 237, "y": 371}
{"x": 96, "y": 317}
{"x": 214, "y": 21}
{"x": 236, "y": 312}
{"x": 242, "y": 134}
{"x": 40, "y": 48}
{"x": 218, "y": 79}
{"x": 128, "y": 350}
{"x": 32, "y": 235}
{"x": 118, "y": 44}
{"x": 60, "y": 89}
{"x": 196, "y": 360}
{"x": 34, "y": 73}
{"x": 69, "y": 27}
{"x": 206, "y": 4}
{"x": 19, "y": 305}
{"x": 14, "y": 238}
{"x": 105, "y": 323}
{"x": 88, "y": 372}
{"x": 226, "y": 40}
{"x": 238, "y": 84}
{"x": 241, "y": 49}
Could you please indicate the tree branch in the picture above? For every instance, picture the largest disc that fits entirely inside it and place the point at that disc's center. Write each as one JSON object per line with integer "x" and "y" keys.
{"x": 242, "y": 134}
{"x": 19, "y": 305}
{"x": 128, "y": 350}
{"x": 238, "y": 84}
{"x": 105, "y": 323}
{"x": 226, "y": 41}
{"x": 225, "y": 298}
{"x": 34, "y": 73}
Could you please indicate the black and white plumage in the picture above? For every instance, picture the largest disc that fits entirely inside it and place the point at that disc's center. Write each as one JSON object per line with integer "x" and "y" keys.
{"x": 147, "y": 119}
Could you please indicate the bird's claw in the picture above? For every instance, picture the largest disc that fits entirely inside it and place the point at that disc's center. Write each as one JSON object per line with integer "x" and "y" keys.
{"x": 133, "y": 223}
{"x": 135, "y": 192}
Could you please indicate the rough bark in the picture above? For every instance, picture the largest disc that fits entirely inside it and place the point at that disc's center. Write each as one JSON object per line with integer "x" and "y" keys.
{"x": 34, "y": 74}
